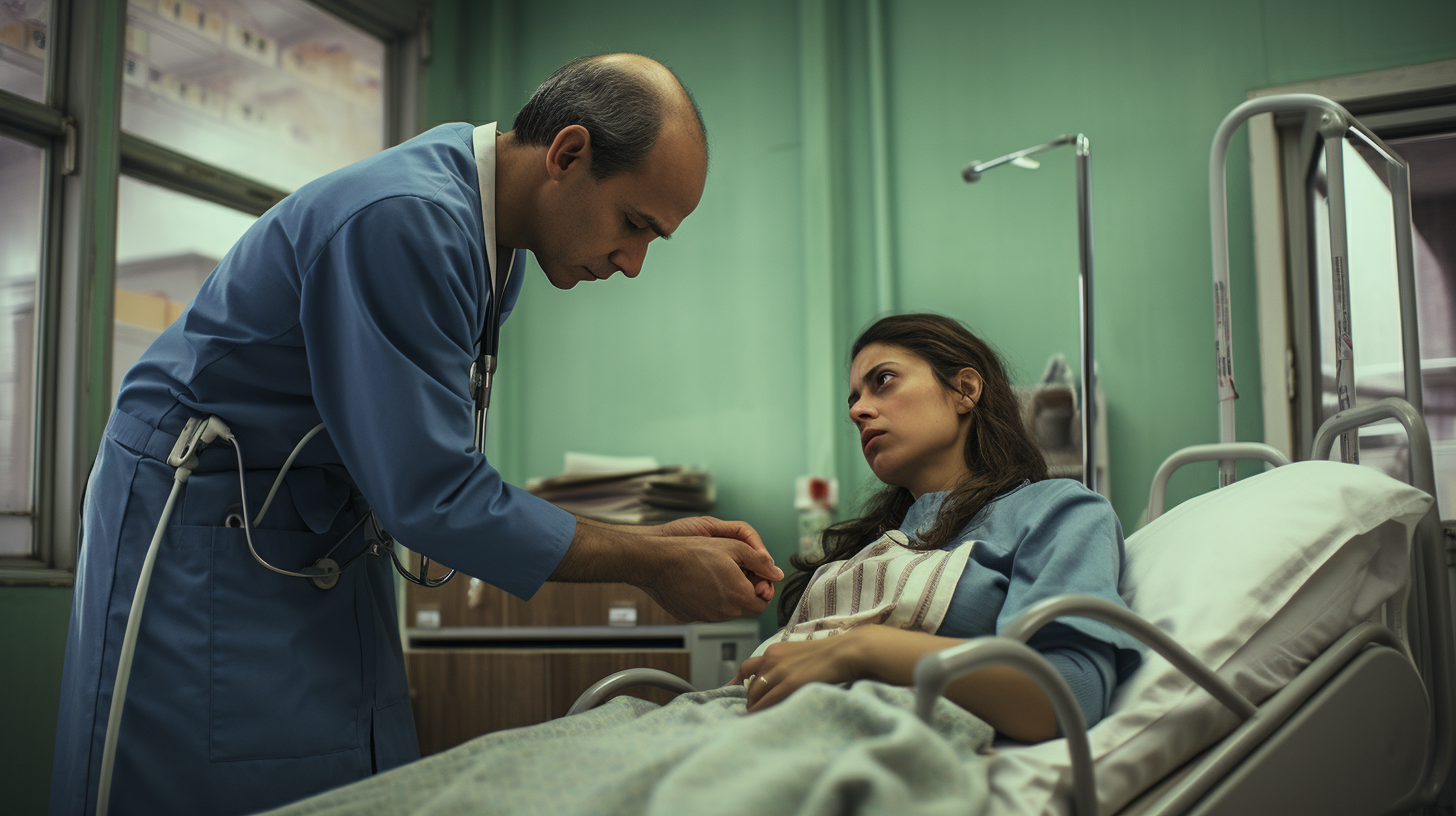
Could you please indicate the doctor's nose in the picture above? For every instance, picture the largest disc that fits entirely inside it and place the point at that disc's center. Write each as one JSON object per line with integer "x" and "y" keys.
{"x": 629, "y": 260}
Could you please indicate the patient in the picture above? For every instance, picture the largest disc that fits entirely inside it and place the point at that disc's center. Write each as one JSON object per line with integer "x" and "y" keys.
{"x": 967, "y": 532}
{"x": 985, "y": 534}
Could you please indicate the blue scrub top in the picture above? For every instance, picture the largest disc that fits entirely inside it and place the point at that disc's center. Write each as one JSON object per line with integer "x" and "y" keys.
{"x": 1040, "y": 540}
{"x": 356, "y": 302}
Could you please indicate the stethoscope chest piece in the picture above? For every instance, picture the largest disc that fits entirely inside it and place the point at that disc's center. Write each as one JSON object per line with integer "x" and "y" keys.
{"x": 330, "y": 573}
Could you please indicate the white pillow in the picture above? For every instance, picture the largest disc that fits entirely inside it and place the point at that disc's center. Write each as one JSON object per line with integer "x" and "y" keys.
{"x": 1256, "y": 580}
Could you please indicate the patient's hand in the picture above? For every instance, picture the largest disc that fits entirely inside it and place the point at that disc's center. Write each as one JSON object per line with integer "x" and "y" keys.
{"x": 784, "y": 667}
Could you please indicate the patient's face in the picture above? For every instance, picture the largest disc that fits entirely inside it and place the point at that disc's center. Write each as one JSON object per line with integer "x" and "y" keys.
{"x": 912, "y": 431}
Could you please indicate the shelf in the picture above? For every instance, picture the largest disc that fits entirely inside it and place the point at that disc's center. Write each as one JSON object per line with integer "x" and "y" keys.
{"x": 277, "y": 91}
{"x": 678, "y": 636}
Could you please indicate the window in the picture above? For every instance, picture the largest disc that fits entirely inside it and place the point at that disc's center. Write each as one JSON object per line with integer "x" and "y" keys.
{"x": 22, "y": 182}
{"x": 25, "y": 27}
{"x": 275, "y": 90}
{"x": 224, "y": 107}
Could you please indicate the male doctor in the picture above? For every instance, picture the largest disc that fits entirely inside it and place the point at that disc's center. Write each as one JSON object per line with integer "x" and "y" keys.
{"x": 358, "y": 302}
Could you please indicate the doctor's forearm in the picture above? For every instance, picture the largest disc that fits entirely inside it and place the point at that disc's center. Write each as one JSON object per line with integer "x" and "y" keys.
{"x": 602, "y": 552}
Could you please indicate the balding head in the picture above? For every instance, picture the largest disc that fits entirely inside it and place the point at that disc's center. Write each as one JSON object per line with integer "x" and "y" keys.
{"x": 623, "y": 100}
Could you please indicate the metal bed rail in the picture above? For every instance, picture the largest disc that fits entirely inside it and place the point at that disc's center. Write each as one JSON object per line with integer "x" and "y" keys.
{"x": 1335, "y": 124}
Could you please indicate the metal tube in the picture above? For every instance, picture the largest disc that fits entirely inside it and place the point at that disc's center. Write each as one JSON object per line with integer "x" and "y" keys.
{"x": 1410, "y": 336}
{"x": 973, "y": 171}
{"x": 936, "y": 670}
{"x": 1033, "y": 618}
{"x": 1334, "y": 135}
{"x": 1089, "y": 371}
{"x": 1221, "y": 452}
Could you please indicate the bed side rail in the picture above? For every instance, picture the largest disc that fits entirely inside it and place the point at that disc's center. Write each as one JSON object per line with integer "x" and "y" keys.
{"x": 614, "y": 684}
{"x": 1221, "y": 452}
{"x": 1435, "y": 650}
{"x": 935, "y": 671}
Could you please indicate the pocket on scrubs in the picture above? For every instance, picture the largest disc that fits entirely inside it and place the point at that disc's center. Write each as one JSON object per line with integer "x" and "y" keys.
{"x": 285, "y": 656}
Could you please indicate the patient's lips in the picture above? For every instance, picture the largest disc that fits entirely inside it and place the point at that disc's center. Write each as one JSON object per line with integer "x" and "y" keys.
{"x": 868, "y": 436}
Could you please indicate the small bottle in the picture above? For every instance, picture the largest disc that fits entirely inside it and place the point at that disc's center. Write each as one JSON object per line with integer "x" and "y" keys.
{"x": 815, "y": 498}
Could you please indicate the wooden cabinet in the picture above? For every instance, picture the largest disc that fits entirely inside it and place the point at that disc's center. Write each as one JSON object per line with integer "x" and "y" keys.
{"x": 481, "y": 660}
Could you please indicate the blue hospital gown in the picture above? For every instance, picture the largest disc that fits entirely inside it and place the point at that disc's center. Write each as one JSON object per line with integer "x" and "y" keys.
{"x": 1043, "y": 539}
{"x": 356, "y": 302}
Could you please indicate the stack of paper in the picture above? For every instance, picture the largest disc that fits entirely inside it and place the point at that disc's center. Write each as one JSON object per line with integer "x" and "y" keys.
{"x": 621, "y": 490}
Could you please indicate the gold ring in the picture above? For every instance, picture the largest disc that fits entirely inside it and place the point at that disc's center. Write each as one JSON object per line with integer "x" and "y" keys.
{"x": 762, "y": 679}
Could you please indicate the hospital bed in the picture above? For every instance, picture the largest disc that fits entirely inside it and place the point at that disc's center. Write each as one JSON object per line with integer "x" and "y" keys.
{"x": 1299, "y": 622}
{"x": 1299, "y": 627}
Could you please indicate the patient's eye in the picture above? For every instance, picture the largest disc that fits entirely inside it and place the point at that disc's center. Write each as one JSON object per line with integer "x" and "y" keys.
{"x": 883, "y": 377}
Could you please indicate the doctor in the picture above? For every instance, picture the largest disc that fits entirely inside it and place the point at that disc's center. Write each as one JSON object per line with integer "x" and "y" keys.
{"x": 358, "y": 302}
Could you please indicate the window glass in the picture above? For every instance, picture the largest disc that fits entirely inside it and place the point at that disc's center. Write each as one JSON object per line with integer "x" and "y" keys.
{"x": 21, "y": 179}
{"x": 24, "y": 45}
{"x": 275, "y": 90}
{"x": 1432, "y": 162}
{"x": 1375, "y": 324}
{"x": 166, "y": 244}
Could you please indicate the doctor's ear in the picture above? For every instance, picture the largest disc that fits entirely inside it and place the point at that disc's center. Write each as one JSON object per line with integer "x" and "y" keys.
{"x": 968, "y": 384}
{"x": 571, "y": 149}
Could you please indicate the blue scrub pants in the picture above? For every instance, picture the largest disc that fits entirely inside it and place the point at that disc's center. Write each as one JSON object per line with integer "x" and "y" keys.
{"x": 249, "y": 689}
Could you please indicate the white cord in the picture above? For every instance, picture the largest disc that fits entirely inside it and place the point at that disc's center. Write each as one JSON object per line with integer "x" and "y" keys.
{"x": 212, "y": 428}
{"x": 128, "y": 648}
{"x": 287, "y": 463}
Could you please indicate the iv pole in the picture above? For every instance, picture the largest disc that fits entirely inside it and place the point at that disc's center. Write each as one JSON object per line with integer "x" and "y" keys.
{"x": 971, "y": 173}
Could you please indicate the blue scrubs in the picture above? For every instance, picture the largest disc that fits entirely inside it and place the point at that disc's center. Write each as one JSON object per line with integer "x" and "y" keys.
{"x": 356, "y": 302}
{"x": 1043, "y": 539}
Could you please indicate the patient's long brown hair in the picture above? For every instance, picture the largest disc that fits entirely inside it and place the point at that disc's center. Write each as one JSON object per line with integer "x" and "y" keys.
{"x": 1000, "y": 453}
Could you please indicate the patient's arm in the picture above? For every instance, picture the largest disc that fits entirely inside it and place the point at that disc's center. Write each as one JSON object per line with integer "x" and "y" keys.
{"x": 1004, "y": 697}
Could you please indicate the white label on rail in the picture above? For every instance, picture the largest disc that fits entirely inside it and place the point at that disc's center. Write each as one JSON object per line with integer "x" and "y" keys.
{"x": 1344, "y": 344}
{"x": 1223, "y": 342}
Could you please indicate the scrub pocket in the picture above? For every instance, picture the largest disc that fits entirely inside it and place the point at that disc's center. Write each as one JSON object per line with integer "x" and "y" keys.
{"x": 285, "y": 656}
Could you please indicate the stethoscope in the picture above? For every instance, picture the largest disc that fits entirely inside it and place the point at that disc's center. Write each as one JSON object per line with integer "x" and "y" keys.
{"x": 324, "y": 573}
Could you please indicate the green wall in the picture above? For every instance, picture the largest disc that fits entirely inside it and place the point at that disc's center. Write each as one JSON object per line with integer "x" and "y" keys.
{"x": 33, "y": 624}
{"x": 728, "y": 351}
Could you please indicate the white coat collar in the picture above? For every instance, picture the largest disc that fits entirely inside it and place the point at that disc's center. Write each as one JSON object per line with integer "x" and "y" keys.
{"x": 483, "y": 140}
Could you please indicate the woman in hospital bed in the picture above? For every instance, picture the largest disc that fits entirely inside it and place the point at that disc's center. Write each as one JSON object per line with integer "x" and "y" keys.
{"x": 981, "y": 534}
{"x": 968, "y": 531}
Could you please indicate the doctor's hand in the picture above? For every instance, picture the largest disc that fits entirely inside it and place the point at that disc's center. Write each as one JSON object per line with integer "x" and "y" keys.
{"x": 763, "y": 580}
{"x": 699, "y": 569}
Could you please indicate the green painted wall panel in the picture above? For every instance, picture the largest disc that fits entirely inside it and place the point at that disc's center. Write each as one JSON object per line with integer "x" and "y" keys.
{"x": 33, "y": 622}
{"x": 696, "y": 361}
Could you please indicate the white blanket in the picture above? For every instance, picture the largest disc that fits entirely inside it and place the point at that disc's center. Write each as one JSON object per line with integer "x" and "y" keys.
{"x": 824, "y": 750}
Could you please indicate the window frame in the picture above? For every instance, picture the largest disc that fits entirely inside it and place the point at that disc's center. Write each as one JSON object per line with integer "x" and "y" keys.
{"x": 79, "y": 127}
